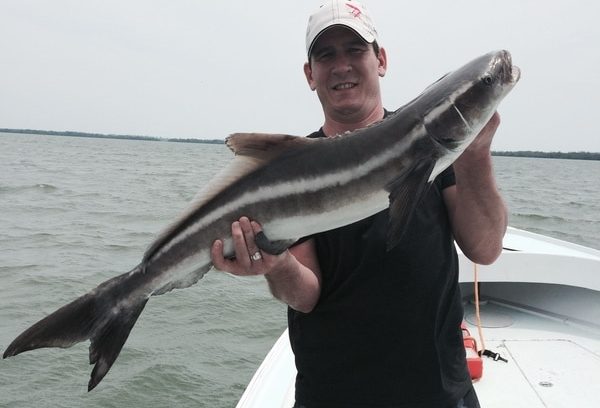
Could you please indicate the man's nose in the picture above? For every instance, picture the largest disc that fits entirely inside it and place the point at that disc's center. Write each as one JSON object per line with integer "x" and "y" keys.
{"x": 342, "y": 64}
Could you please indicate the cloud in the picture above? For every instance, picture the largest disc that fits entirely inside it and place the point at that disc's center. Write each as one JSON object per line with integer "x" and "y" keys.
{"x": 208, "y": 69}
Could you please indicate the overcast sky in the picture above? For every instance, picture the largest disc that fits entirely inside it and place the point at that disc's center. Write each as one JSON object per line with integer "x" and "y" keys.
{"x": 205, "y": 69}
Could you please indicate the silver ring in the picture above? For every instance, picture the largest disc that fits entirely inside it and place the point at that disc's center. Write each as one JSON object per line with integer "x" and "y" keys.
{"x": 257, "y": 256}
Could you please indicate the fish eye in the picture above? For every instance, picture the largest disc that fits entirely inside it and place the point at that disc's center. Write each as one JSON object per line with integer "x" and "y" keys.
{"x": 488, "y": 80}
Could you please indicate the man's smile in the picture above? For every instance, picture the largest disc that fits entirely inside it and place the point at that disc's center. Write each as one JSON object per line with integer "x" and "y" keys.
{"x": 344, "y": 85}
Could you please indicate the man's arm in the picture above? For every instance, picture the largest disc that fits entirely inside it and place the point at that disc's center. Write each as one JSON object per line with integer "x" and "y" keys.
{"x": 477, "y": 212}
{"x": 299, "y": 286}
{"x": 294, "y": 276}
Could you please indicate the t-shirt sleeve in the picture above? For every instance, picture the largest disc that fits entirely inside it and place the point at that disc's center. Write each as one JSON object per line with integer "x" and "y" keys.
{"x": 447, "y": 178}
{"x": 301, "y": 240}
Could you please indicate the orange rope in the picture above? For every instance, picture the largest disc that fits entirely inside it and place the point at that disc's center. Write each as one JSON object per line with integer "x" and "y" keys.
{"x": 477, "y": 315}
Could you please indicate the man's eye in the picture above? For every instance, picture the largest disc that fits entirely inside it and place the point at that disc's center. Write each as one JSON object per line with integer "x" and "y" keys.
{"x": 356, "y": 50}
{"x": 323, "y": 55}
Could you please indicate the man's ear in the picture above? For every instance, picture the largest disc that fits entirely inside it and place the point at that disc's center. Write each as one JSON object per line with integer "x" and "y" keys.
{"x": 309, "y": 77}
{"x": 382, "y": 57}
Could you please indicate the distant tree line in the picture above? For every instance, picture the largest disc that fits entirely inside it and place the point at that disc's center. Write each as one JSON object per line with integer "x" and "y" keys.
{"x": 190, "y": 140}
{"x": 109, "y": 136}
{"x": 551, "y": 155}
{"x": 535, "y": 154}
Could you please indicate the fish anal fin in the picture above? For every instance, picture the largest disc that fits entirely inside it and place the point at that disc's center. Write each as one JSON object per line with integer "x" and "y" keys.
{"x": 190, "y": 279}
{"x": 405, "y": 194}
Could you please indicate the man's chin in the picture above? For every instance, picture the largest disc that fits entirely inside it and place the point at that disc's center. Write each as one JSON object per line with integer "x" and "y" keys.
{"x": 347, "y": 106}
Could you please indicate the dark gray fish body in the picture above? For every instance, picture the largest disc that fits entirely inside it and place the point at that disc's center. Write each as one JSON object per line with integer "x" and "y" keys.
{"x": 294, "y": 187}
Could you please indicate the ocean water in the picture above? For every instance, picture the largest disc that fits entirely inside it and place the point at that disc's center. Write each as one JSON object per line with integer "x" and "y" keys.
{"x": 77, "y": 211}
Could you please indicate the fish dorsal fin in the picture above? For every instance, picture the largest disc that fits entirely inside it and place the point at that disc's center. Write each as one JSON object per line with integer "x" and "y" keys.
{"x": 252, "y": 150}
{"x": 263, "y": 146}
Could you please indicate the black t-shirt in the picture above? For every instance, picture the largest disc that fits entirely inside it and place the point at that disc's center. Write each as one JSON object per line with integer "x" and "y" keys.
{"x": 386, "y": 329}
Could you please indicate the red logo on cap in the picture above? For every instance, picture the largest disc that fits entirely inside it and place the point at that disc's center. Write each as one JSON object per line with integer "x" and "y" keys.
{"x": 355, "y": 10}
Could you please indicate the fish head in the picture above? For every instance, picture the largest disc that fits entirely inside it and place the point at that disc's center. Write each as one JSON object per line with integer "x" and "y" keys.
{"x": 462, "y": 102}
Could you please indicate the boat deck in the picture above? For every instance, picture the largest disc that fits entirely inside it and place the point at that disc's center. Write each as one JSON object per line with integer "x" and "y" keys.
{"x": 540, "y": 310}
{"x": 551, "y": 362}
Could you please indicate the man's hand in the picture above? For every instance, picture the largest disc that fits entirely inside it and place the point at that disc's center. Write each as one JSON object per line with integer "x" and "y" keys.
{"x": 483, "y": 142}
{"x": 295, "y": 283}
{"x": 477, "y": 212}
{"x": 249, "y": 259}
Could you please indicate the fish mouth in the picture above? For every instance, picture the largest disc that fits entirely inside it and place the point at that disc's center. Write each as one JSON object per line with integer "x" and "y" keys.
{"x": 510, "y": 73}
{"x": 516, "y": 74}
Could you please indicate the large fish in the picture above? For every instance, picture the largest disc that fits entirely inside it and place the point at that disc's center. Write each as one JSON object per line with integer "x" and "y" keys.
{"x": 293, "y": 186}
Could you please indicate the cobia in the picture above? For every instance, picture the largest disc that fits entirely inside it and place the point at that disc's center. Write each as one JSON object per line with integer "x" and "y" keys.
{"x": 294, "y": 187}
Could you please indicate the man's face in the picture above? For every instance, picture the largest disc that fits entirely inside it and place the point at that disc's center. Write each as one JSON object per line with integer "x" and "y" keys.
{"x": 345, "y": 71}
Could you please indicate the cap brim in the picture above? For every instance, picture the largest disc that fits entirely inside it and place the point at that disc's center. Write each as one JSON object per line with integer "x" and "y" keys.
{"x": 365, "y": 35}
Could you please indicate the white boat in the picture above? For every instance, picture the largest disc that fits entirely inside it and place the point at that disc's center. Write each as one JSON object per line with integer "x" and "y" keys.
{"x": 539, "y": 309}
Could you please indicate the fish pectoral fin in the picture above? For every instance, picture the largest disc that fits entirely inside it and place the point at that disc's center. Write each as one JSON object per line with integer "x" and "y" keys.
{"x": 272, "y": 247}
{"x": 405, "y": 194}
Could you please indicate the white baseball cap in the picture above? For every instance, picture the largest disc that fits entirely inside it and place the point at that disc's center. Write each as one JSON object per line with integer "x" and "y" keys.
{"x": 347, "y": 13}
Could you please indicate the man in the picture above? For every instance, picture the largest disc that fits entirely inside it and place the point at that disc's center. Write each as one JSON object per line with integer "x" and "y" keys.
{"x": 370, "y": 327}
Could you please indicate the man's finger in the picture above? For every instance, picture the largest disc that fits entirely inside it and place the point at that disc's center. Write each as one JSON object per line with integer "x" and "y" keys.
{"x": 256, "y": 227}
{"x": 239, "y": 244}
{"x": 253, "y": 250}
{"x": 216, "y": 255}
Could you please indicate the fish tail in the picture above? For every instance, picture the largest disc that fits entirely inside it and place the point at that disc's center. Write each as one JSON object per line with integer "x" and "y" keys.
{"x": 104, "y": 315}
